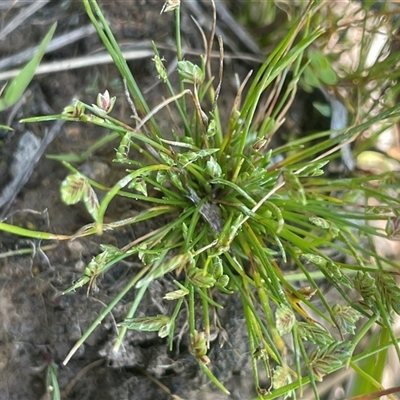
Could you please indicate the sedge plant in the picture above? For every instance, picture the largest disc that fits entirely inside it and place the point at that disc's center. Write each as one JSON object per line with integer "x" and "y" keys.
{"x": 235, "y": 212}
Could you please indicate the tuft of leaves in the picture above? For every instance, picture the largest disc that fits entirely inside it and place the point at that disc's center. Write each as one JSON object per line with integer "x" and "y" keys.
{"x": 364, "y": 283}
{"x": 280, "y": 377}
{"x": 158, "y": 323}
{"x": 346, "y": 318}
{"x": 314, "y": 333}
{"x": 76, "y": 188}
{"x": 327, "y": 358}
{"x": 389, "y": 292}
{"x": 235, "y": 211}
{"x": 285, "y": 320}
{"x": 199, "y": 347}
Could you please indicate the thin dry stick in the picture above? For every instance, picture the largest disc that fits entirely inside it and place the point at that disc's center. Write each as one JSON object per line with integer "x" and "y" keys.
{"x": 56, "y": 43}
{"x": 236, "y": 28}
{"x": 220, "y": 74}
{"x": 21, "y": 17}
{"x": 328, "y": 152}
{"x": 211, "y": 40}
{"x": 9, "y": 4}
{"x": 257, "y": 58}
{"x": 10, "y": 191}
{"x": 238, "y": 99}
{"x": 105, "y": 58}
{"x": 203, "y": 36}
{"x": 79, "y": 62}
{"x": 131, "y": 103}
{"x": 20, "y": 252}
{"x": 378, "y": 395}
{"x": 161, "y": 385}
{"x": 78, "y": 376}
{"x": 156, "y": 109}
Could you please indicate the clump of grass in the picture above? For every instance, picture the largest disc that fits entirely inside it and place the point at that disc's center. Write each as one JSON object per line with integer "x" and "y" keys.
{"x": 235, "y": 215}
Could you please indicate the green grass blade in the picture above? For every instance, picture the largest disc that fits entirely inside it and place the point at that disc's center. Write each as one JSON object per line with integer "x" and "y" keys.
{"x": 18, "y": 85}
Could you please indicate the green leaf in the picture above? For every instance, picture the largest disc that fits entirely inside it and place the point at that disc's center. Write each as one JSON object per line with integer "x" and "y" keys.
{"x": 211, "y": 129}
{"x": 389, "y": 292}
{"x": 317, "y": 60}
{"x": 315, "y": 259}
{"x": 295, "y": 188}
{"x": 185, "y": 230}
{"x": 322, "y": 223}
{"x": 180, "y": 260}
{"x": 353, "y": 196}
{"x": 139, "y": 184}
{"x": 346, "y": 318}
{"x": 190, "y": 73}
{"x": 191, "y": 156}
{"x": 8, "y": 128}
{"x": 199, "y": 347}
{"x": 314, "y": 169}
{"x": 176, "y": 180}
{"x": 146, "y": 324}
{"x": 280, "y": 377}
{"x": 161, "y": 176}
{"x": 323, "y": 108}
{"x": 364, "y": 283}
{"x": 73, "y": 188}
{"x": 321, "y": 68}
{"x": 223, "y": 281}
{"x": 213, "y": 168}
{"x": 218, "y": 267}
{"x": 199, "y": 278}
{"x": 147, "y": 256}
{"x": 167, "y": 159}
{"x": 285, "y": 320}
{"x": 98, "y": 265}
{"x": 52, "y": 386}
{"x": 176, "y": 294}
{"x": 392, "y": 228}
{"x": 328, "y": 358}
{"x": 336, "y": 274}
{"x": 91, "y": 201}
{"x": 314, "y": 333}
{"x": 18, "y": 85}
{"x": 310, "y": 78}
{"x": 160, "y": 67}
{"x": 123, "y": 148}
{"x": 329, "y": 77}
{"x": 325, "y": 224}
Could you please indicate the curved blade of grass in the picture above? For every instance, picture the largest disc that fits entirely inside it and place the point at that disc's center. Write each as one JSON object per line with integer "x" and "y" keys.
{"x": 213, "y": 378}
{"x": 122, "y": 183}
{"x": 19, "y": 84}
{"x": 16, "y": 230}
